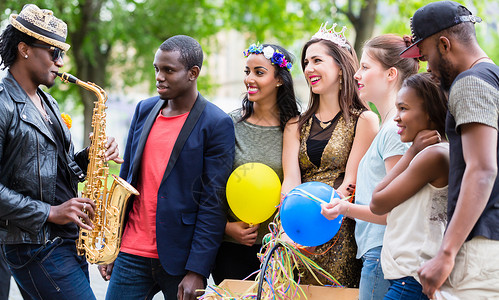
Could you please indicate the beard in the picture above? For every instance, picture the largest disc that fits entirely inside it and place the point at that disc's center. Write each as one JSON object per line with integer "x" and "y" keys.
{"x": 448, "y": 72}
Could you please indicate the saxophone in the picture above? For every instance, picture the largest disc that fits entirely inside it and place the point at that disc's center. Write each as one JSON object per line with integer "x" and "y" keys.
{"x": 101, "y": 245}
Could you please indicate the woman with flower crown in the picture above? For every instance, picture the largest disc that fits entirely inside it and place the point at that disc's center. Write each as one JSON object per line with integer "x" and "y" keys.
{"x": 327, "y": 142}
{"x": 266, "y": 108}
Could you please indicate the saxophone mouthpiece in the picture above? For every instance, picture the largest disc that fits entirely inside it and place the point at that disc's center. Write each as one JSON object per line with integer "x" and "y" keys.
{"x": 67, "y": 77}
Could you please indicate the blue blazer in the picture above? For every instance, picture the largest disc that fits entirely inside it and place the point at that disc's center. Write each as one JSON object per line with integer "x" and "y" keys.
{"x": 190, "y": 216}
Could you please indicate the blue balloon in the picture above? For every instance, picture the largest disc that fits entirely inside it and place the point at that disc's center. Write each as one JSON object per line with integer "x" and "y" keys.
{"x": 301, "y": 216}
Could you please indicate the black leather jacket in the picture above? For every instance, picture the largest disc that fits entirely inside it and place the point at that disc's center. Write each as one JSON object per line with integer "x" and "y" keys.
{"x": 28, "y": 166}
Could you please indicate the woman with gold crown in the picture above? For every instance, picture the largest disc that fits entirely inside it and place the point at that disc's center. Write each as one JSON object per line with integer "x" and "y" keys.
{"x": 380, "y": 78}
{"x": 327, "y": 142}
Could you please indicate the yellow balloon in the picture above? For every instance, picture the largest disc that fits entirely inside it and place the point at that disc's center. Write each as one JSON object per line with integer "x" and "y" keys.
{"x": 253, "y": 192}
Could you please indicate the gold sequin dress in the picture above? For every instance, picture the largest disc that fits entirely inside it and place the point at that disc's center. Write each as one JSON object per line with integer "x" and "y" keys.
{"x": 338, "y": 137}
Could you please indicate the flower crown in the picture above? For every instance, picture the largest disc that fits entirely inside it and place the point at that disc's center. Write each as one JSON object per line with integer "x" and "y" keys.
{"x": 332, "y": 35}
{"x": 275, "y": 57}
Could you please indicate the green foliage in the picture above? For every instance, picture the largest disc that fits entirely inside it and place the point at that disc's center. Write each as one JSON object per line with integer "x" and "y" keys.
{"x": 375, "y": 110}
{"x": 275, "y": 20}
{"x": 121, "y": 36}
{"x": 154, "y": 22}
{"x": 487, "y": 33}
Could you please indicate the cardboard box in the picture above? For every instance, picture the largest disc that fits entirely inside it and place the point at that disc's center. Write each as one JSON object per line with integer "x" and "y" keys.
{"x": 312, "y": 292}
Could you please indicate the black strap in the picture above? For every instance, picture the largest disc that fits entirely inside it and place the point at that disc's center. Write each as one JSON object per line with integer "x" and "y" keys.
{"x": 75, "y": 169}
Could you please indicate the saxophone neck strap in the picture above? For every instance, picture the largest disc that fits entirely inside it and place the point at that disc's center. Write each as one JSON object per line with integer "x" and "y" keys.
{"x": 76, "y": 171}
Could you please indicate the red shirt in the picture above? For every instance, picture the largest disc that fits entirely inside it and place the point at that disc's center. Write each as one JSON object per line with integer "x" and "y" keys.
{"x": 139, "y": 237}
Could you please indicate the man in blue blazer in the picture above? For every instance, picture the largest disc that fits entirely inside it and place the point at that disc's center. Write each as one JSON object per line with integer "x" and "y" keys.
{"x": 179, "y": 154}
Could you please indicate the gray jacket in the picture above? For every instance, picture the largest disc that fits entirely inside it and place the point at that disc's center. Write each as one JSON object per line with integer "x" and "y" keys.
{"x": 28, "y": 165}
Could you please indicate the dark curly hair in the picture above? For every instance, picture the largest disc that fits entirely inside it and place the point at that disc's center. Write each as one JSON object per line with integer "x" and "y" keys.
{"x": 433, "y": 96}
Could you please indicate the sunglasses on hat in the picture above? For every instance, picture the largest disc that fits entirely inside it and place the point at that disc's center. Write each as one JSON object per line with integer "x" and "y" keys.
{"x": 56, "y": 54}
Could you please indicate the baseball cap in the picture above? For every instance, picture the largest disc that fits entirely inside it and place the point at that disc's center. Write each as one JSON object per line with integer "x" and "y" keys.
{"x": 435, "y": 17}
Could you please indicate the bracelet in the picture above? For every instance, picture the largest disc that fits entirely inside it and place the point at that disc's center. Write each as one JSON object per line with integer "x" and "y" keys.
{"x": 348, "y": 209}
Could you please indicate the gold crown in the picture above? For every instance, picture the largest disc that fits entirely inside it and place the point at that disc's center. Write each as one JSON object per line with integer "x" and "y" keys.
{"x": 42, "y": 25}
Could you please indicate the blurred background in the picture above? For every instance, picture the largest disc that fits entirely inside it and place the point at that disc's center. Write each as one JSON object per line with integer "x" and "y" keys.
{"x": 113, "y": 44}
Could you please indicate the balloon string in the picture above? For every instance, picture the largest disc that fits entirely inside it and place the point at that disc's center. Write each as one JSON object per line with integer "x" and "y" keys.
{"x": 304, "y": 249}
{"x": 279, "y": 278}
{"x": 328, "y": 248}
{"x": 308, "y": 195}
{"x": 320, "y": 201}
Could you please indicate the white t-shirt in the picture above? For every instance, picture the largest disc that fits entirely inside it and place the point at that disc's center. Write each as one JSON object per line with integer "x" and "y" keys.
{"x": 414, "y": 230}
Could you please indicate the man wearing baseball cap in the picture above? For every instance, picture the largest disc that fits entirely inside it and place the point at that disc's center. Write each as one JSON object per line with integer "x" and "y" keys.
{"x": 39, "y": 209}
{"x": 467, "y": 264}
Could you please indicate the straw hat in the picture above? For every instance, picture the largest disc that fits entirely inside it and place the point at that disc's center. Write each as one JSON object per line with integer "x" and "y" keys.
{"x": 42, "y": 25}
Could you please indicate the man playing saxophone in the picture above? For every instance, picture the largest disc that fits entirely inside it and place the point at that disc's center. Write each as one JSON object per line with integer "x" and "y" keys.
{"x": 39, "y": 209}
{"x": 179, "y": 154}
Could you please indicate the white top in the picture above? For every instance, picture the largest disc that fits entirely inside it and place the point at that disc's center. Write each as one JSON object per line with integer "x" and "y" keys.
{"x": 414, "y": 230}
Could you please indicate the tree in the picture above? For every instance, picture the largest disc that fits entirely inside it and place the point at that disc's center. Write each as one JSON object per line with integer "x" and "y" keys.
{"x": 123, "y": 34}
{"x": 363, "y": 21}
{"x": 96, "y": 28}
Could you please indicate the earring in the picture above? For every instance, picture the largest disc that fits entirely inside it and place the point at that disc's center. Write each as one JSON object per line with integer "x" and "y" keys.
{"x": 279, "y": 84}
{"x": 341, "y": 80}
{"x": 26, "y": 56}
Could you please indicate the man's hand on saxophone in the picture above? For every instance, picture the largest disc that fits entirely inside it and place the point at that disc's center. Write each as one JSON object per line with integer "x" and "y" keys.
{"x": 112, "y": 152}
{"x": 78, "y": 210}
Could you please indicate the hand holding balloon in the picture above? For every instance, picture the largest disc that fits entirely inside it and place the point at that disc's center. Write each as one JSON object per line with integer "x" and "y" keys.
{"x": 334, "y": 208}
{"x": 301, "y": 214}
{"x": 243, "y": 233}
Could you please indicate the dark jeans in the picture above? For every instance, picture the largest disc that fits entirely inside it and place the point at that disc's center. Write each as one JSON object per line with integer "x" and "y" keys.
{"x": 406, "y": 288}
{"x": 137, "y": 277}
{"x": 5, "y": 281}
{"x": 235, "y": 261}
{"x": 50, "y": 271}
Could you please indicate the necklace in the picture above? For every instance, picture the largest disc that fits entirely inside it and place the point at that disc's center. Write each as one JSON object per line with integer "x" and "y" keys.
{"x": 47, "y": 117}
{"x": 323, "y": 125}
{"x": 483, "y": 57}
{"x": 42, "y": 111}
